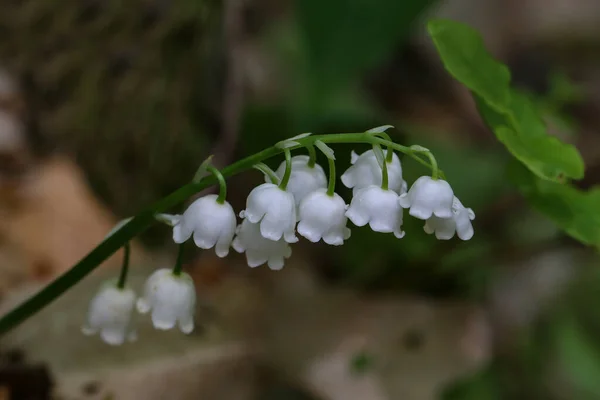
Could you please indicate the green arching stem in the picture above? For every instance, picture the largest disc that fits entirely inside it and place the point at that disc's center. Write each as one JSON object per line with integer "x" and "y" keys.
{"x": 179, "y": 261}
{"x": 222, "y": 184}
{"x": 312, "y": 155}
{"x": 265, "y": 169}
{"x": 384, "y": 170}
{"x": 389, "y": 155}
{"x": 328, "y": 152}
{"x": 390, "y": 151}
{"x": 365, "y": 138}
{"x": 414, "y": 154}
{"x": 128, "y": 231}
{"x": 144, "y": 219}
{"x": 202, "y": 169}
{"x": 288, "y": 170}
{"x": 434, "y": 166}
{"x": 331, "y": 185}
{"x": 384, "y": 174}
{"x": 125, "y": 267}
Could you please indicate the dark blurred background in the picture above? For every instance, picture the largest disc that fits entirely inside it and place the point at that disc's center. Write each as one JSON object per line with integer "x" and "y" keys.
{"x": 109, "y": 105}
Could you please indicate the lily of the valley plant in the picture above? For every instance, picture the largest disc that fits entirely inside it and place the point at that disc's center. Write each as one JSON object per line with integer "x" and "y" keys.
{"x": 298, "y": 200}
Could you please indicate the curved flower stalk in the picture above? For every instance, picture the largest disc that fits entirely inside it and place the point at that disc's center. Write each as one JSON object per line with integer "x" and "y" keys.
{"x": 270, "y": 218}
{"x": 273, "y": 207}
{"x": 366, "y": 171}
{"x": 304, "y": 178}
{"x": 323, "y": 212}
{"x": 210, "y": 219}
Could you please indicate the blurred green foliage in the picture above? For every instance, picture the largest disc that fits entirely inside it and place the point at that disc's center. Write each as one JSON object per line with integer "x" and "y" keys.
{"x": 344, "y": 38}
{"x": 562, "y": 94}
{"x": 325, "y": 51}
{"x": 580, "y": 358}
{"x": 557, "y": 358}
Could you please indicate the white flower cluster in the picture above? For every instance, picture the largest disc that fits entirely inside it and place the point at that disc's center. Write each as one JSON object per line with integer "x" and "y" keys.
{"x": 273, "y": 216}
{"x": 170, "y": 297}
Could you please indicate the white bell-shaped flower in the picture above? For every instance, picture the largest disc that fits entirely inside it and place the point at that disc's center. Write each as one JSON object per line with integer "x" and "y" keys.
{"x": 323, "y": 217}
{"x": 212, "y": 224}
{"x": 459, "y": 223}
{"x": 366, "y": 170}
{"x": 110, "y": 314}
{"x": 427, "y": 197}
{"x": 377, "y": 207}
{"x": 258, "y": 249}
{"x": 274, "y": 210}
{"x": 171, "y": 298}
{"x": 303, "y": 178}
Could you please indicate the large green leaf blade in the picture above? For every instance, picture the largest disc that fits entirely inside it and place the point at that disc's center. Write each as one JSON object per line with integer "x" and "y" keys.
{"x": 510, "y": 114}
{"x": 544, "y": 155}
{"x": 464, "y": 55}
{"x": 575, "y": 211}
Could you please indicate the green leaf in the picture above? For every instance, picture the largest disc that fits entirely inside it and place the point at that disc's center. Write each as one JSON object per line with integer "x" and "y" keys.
{"x": 544, "y": 155}
{"x": 379, "y": 129}
{"x": 464, "y": 55}
{"x": 301, "y": 136}
{"x": 511, "y": 115}
{"x": 286, "y": 144}
{"x": 327, "y": 151}
{"x": 575, "y": 211}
